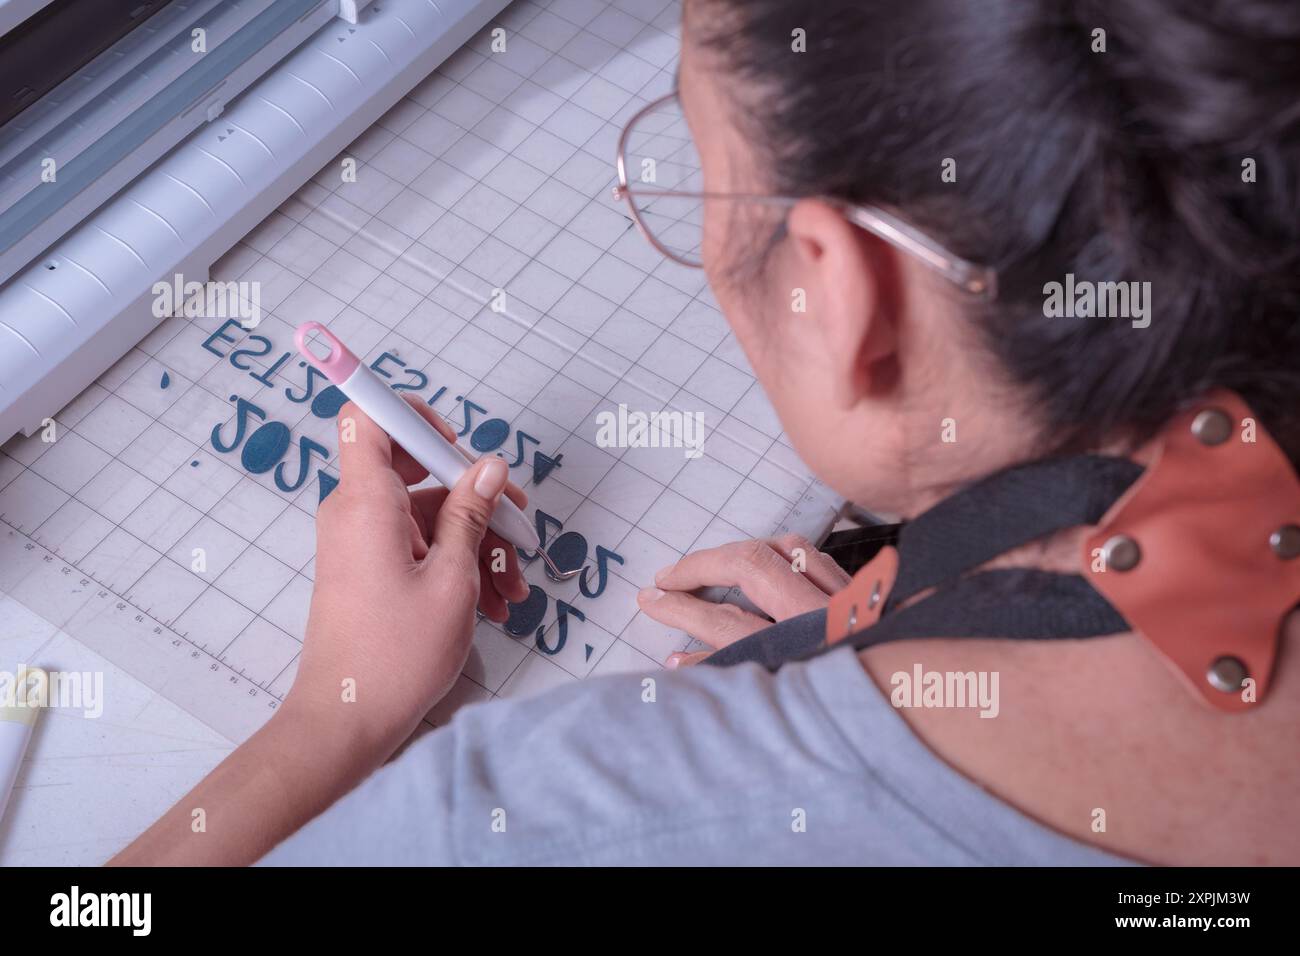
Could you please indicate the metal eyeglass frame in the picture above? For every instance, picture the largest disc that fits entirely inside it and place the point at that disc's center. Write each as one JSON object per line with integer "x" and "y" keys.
{"x": 971, "y": 278}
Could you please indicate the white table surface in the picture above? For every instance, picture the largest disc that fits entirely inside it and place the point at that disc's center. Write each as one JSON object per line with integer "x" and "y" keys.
{"x": 88, "y": 786}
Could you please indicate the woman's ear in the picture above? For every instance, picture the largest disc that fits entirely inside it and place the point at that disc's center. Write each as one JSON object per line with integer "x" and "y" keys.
{"x": 844, "y": 272}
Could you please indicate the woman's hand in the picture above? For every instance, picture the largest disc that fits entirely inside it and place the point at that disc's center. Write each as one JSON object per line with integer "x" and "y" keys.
{"x": 783, "y": 577}
{"x": 398, "y": 575}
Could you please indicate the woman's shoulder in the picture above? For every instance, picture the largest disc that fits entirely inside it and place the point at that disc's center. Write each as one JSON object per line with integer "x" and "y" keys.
{"x": 805, "y": 765}
{"x": 705, "y": 765}
{"x": 664, "y": 766}
{"x": 710, "y": 721}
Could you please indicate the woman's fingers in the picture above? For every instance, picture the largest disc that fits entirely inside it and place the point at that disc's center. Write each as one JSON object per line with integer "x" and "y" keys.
{"x": 425, "y": 503}
{"x": 370, "y": 495}
{"x": 682, "y": 659}
{"x": 496, "y": 587}
{"x": 365, "y": 455}
{"x": 517, "y": 495}
{"x": 497, "y": 556}
{"x": 411, "y": 471}
{"x": 784, "y": 578}
{"x": 408, "y": 467}
{"x": 461, "y": 523}
{"x": 502, "y": 562}
{"x": 819, "y": 567}
{"x": 490, "y": 602}
{"x": 715, "y": 624}
{"x": 767, "y": 577}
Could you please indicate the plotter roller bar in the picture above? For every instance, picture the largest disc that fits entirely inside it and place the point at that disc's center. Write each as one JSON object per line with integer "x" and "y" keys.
{"x": 69, "y": 316}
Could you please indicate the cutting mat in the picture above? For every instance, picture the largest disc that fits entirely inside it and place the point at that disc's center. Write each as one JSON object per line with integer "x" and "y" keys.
{"x": 477, "y": 258}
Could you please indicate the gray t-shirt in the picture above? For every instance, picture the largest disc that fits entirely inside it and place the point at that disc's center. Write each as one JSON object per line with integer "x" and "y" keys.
{"x": 808, "y": 765}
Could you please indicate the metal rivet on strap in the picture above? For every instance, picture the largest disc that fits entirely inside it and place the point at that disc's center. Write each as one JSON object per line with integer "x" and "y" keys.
{"x": 1226, "y": 674}
{"x": 1121, "y": 553}
{"x": 853, "y": 618}
{"x": 1285, "y": 542}
{"x": 875, "y": 596}
{"x": 1212, "y": 427}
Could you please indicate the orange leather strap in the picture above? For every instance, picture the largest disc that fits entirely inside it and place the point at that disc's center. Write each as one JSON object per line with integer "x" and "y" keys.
{"x": 1201, "y": 540}
{"x": 860, "y": 602}
{"x": 1200, "y": 556}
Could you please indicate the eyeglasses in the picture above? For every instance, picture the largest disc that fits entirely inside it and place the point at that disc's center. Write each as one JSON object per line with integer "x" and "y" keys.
{"x": 667, "y": 200}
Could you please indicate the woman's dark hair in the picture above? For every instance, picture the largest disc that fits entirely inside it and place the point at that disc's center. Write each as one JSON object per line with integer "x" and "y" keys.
{"x": 1132, "y": 164}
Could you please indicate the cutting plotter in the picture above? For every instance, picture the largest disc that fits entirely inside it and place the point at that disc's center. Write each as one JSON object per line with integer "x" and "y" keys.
{"x": 142, "y": 139}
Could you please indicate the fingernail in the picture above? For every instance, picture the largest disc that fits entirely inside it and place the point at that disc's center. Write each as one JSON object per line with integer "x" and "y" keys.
{"x": 664, "y": 572}
{"x": 649, "y": 595}
{"x": 673, "y": 662}
{"x": 491, "y": 478}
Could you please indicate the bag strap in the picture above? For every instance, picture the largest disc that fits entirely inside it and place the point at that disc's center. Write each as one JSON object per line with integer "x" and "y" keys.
{"x": 1003, "y": 511}
{"x": 1016, "y": 603}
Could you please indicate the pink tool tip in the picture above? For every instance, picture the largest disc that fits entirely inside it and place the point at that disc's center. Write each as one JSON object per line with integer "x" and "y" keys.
{"x": 338, "y": 364}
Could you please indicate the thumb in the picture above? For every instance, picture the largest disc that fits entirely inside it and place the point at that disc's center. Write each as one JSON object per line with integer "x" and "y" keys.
{"x": 463, "y": 518}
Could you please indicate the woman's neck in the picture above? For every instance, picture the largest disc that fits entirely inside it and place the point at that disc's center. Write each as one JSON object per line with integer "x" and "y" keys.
{"x": 1105, "y": 724}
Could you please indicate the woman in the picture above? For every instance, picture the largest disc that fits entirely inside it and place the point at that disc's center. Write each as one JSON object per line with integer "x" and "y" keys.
{"x": 945, "y": 163}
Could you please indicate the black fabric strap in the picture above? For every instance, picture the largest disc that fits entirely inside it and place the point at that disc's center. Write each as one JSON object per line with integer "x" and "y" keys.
{"x": 1022, "y": 603}
{"x": 853, "y": 548}
{"x": 973, "y": 526}
{"x": 1016, "y": 603}
{"x": 794, "y": 639}
{"x": 1002, "y": 512}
